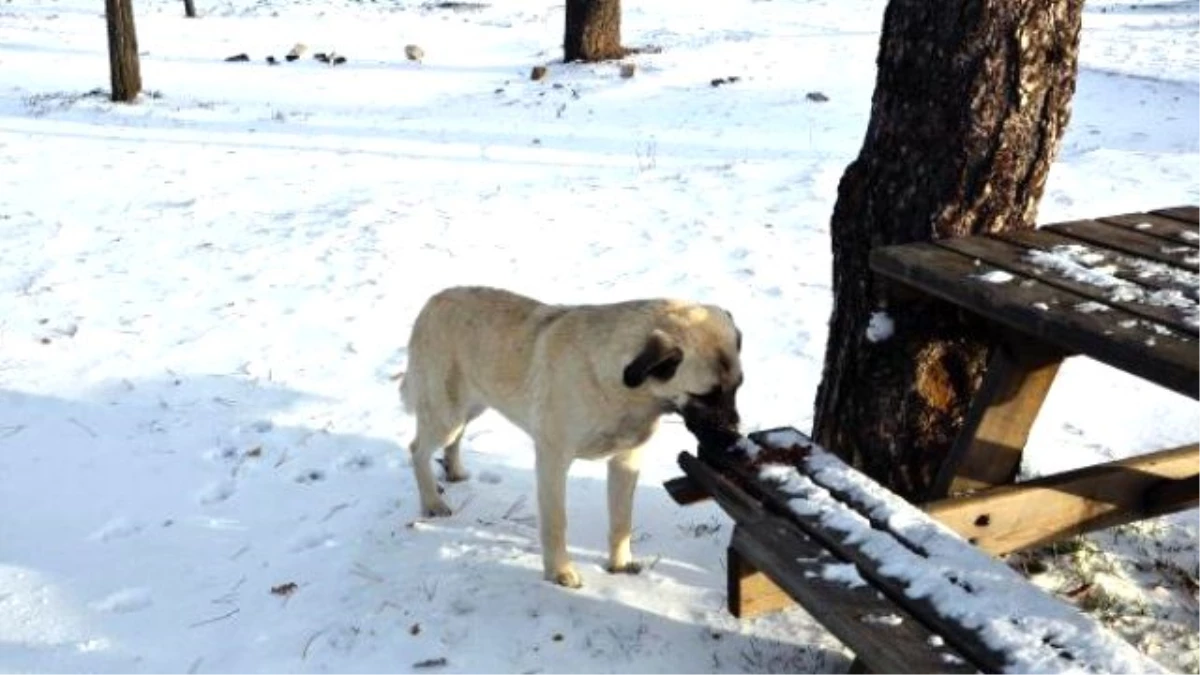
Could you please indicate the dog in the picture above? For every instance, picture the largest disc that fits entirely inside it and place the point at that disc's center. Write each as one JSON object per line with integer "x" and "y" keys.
{"x": 584, "y": 381}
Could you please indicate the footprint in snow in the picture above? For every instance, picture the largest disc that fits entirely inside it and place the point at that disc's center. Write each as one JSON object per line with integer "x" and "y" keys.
{"x": 307, "y": 542}
{"x": 260, "y": 426}
{"x": 216, "y": 492}
{"x": 310, "y": 476}
{"x": 117, "y": 528}
{"x": 124, "y": 601}
{"x": 227, "y": 453}
{"x": 356, "y": 462}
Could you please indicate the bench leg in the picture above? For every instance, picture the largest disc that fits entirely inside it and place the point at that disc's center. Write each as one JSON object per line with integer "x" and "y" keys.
{"x": 988, "y": 449}
{"x": 751, "y": 593}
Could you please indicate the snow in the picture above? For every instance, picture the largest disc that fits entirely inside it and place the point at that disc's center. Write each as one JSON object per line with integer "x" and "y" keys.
{"x": 1091, "y": 307}
{"x": 996, "y": 277}
{"x": 204, "y": 299}
{"x": 1076, "y": 262}
{"x": 842, "y": 573}
{"x": 880, "y": 327}
{"x": 1082, "y": 264}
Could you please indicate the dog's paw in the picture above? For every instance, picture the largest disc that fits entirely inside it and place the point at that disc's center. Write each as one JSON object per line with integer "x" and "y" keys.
{"x": 568, "y": 578}
{"x": 437, "y": 509}
{"x": 631, "y": 567}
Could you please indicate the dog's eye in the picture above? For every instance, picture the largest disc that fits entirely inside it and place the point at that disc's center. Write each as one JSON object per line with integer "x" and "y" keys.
{"x": 711, "y": 397}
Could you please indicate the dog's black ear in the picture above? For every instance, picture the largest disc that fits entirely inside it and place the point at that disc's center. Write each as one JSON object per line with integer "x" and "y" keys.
{"x": 658, "y": 359}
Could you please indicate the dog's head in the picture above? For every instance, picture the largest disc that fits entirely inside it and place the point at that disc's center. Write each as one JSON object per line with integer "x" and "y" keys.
{"x": 690, "y": 363}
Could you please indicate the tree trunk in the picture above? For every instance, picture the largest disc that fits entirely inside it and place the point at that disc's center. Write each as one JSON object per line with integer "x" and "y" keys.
{"x": 122, "y": 50}
{"x": 593, "y": 31}
{"x": 189, "y": 8}
{"x": 971, "y": 100}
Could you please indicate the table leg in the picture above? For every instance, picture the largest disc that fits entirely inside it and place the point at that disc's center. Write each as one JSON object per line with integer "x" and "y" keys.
{"x": 988, "y": 449}
{"x": 751, "y": 593}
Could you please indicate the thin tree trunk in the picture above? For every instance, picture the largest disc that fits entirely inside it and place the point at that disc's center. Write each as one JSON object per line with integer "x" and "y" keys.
{"x": 971, "y": 101}
{"x": 189, "y": 8}
{"x": 593, "y": 31}
{"x": 124, "y": 67}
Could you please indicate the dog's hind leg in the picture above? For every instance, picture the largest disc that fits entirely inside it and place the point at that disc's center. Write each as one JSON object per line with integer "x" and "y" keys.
{"x": 455, "y": 471}
{"x": 423, "y": 446}
{"x": 622, "y": 482}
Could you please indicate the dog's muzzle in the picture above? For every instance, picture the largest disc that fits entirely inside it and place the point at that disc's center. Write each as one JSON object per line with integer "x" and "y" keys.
{"x": 715, "y": 427}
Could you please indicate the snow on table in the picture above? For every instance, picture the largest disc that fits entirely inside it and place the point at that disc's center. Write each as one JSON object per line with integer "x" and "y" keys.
{"x": 1150, "y": 328}
{"x": 1088, "y": 266}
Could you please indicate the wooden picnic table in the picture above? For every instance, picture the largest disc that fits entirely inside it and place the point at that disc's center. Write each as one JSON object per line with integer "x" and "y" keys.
{"x": 1122, "y": 290}
{"x": 1119, "y": 289}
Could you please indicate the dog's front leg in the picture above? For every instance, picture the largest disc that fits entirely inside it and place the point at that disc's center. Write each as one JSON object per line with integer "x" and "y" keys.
{"x": 552, "y": 470}
{"x": 622, "y": 483}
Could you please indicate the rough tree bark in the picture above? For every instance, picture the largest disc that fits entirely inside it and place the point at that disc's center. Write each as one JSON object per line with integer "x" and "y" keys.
{"x": 124, "y": 67}
{"x": 593, "y": 31}
{"x": 971, "y": 100}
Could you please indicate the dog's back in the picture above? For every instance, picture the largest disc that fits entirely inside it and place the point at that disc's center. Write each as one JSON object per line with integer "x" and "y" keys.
{"x": 470, "y": 343}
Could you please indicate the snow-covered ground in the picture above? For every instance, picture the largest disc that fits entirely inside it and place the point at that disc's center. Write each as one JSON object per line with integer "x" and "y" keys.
{"x": 204, "y": 299}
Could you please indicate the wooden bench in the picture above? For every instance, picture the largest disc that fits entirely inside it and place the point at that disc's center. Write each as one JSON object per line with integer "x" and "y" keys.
{"x": 1120, "y": 289}
{"x": 905, "y": 593}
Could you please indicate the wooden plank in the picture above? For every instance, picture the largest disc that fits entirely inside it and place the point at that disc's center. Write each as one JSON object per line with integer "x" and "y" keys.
{"x": 742, "y": 507}
{"x": 988, "y": 448}
{"x": 751, "y": 593}
{"x": 1171, "y": 495}
{"x": 1130, "y": 241}
{"x": 684, "y": 491}
{"x": 884, "y": 637}
{"x": 1148, "y": 273}
{"x": 1043, "y": 312}
{"x": 1168, "y": 229}
{"x": 1039, "y": 511}
{"x": 1188, "y": 214}
{"x": 1180, "y": 316}
{"x": 857, "y": 667}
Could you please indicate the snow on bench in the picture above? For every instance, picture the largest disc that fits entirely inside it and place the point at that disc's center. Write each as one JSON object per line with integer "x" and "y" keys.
{"x": 987, "y": 612}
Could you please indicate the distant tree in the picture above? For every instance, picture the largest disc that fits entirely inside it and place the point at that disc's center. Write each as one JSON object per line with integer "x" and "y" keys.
{"x": 971, "y": 101}
{"x": 189, "y": 8}
{"x": 124, "y": 67}
{"x": 593, "y": 31}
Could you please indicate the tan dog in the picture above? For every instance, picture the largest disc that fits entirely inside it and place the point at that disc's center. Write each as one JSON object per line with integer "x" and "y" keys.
{"x": 585, "y": 381}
